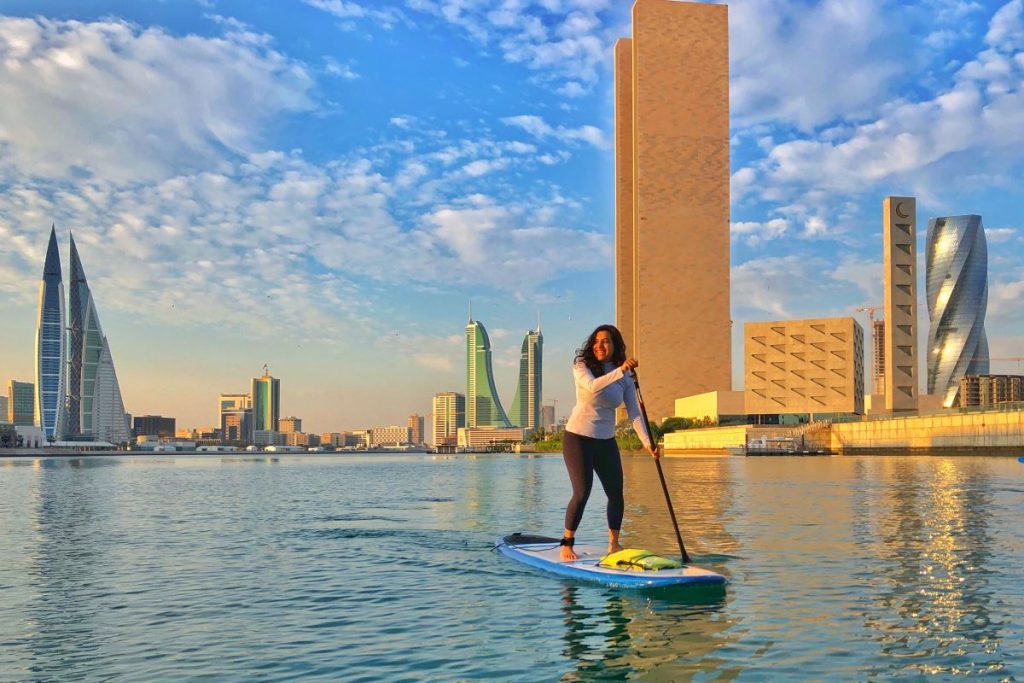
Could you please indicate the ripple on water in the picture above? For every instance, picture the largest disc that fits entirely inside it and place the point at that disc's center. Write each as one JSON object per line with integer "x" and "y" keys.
{"x": 327, "y": 569}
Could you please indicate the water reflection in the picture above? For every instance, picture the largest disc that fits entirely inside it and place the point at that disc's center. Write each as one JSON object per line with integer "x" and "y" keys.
{"x": 659, "y": 634}
{"x": 931, "y": 613}
{"x": 61, "y": 628}
{"x": 702, "y": 492}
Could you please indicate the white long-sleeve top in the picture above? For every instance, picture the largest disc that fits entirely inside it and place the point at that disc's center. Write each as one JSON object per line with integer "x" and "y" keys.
{"x": 597, "y": 399}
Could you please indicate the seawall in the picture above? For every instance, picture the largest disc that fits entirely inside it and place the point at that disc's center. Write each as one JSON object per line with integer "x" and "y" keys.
{"x": 977, "y": 433}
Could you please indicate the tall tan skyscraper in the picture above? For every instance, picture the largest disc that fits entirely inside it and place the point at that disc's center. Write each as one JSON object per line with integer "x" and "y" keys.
{"x": 899, "y": 231}
{"x": 672, "y": 198}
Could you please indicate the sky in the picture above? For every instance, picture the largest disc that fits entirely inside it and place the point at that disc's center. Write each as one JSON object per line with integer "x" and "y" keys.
{"x": 323, "y": 186}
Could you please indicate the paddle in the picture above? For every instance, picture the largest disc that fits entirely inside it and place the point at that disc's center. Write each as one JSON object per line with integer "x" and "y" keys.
{"x": 661, "y": 475}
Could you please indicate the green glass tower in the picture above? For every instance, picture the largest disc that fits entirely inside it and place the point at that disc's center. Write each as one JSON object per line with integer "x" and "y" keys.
{"x": 525, "y": 411}
{"x": 266, "y": 402}
{"x": 483, "y": 407}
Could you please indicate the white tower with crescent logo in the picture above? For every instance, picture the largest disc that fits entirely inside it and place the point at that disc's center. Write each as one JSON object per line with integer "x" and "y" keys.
{"x": 900, "y": 237}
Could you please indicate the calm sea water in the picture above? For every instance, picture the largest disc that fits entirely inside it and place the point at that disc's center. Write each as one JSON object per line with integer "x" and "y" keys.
{"x": 367, "y": 568}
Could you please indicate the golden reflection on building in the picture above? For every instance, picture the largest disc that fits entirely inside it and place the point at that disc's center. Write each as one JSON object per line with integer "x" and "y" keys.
{"x": 932, "y": 612}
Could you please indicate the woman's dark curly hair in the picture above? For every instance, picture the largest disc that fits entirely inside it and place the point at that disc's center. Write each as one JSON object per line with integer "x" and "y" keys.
{"x": 586, "y": 352}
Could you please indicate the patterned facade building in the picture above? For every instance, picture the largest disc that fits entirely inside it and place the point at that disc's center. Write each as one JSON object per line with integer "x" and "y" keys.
{"x": 956, "y": 272}
{"x": 391, "y": 435}
{"x": 483, "y": 406}
{"x": 804, "y": 366}
{"x": 672, "y": 199}
{"x": 899, "y": 234}
{"x": 525, "y": 411}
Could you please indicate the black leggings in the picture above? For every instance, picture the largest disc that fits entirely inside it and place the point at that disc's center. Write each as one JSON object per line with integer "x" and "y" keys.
{"x": 583, "y": 456}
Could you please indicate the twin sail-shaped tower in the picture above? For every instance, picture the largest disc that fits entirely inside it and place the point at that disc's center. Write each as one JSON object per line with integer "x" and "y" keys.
{"x": 483, "y": 407}
{"x": 77, "y": 394}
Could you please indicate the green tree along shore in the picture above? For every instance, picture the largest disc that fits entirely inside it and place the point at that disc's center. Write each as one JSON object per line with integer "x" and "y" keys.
{"x": 551, "y": 442}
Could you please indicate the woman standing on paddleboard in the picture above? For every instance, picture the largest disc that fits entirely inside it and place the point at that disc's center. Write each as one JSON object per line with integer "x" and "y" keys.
{"x": 602, "y": 385}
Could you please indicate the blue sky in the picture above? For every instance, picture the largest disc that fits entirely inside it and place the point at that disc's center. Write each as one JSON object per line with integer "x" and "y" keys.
{"x": 322, "y": 186}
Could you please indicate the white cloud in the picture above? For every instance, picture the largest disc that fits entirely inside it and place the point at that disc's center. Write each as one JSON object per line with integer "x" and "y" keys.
{"x": 755, "y": 232}
{"x": 559, "y": 41}
{"x": 786, "y": 287}
{"x": 111, "y": 100}
{"x": 348, "y": 10}
{"x": 865, "y": 275}
{"x": 913, "y": 144}
{"x": 808, "y": 64}
{"x": 1006, "y": 29}
{"x": 1000, "y": 235}
{"x": 539, "y": 128}
{"x": 482, "y": 166}
{"x": 336, "y": 68}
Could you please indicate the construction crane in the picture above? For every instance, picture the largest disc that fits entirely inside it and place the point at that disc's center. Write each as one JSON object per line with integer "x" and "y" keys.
{"x": 877, "y": 348}
{"x": 1013, "y": 359}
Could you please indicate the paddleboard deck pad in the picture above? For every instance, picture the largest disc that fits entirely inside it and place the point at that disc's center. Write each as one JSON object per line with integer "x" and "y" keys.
{"x": 544, "y": 553}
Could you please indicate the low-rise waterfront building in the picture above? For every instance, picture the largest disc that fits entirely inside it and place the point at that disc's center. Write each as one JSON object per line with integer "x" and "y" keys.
{"x": 487, "y": 436}
{"x": 300, "y": 439}
{"x": 21, "y": 403}
{"x": 30, "y": 436}
{"x": 389, "y": 436}
{"x": 269, "y": 437}
{"x": 722, "y": 407}
{"x": 988, "y": 390}
{"x": 154, "y": 425}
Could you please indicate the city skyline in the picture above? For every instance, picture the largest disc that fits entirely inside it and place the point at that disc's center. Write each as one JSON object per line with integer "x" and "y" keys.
{"x": 360, "y": 170}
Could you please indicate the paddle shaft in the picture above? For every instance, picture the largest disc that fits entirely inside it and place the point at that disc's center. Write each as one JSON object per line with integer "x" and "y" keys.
{"x": 661, "y": 475}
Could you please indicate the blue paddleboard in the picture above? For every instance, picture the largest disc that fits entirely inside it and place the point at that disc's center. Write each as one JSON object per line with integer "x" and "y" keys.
{"x": 544, "y": 553}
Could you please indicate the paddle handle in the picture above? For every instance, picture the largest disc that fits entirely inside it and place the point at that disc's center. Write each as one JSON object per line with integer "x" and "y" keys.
{"x": 661, "y": 474}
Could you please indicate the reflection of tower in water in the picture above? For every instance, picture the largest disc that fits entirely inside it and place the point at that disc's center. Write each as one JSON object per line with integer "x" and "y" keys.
{"x": 67, "y": 560}
{"x": 932, "y": 614}
{"x": 702, "y": 492}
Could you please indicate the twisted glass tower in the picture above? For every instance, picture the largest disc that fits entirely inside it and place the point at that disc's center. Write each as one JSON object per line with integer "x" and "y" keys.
{"x": 957, "y": 287}
{"x": 483, "y": 407}
{"x": 525, "y": 411}
{"x": 95, "y": 409}
{"x": 50, "y": 346}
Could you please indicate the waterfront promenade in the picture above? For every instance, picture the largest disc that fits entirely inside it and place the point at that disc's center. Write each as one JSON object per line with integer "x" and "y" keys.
{"x": 985, "y": 432}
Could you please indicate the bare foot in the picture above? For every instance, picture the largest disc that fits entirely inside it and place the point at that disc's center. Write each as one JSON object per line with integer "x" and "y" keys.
{"x": 614, "y": 548}
{"x": 568, "y": 554}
